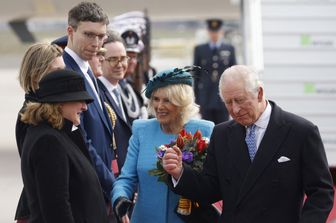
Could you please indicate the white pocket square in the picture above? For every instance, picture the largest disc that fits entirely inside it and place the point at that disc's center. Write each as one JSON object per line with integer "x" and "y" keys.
{"x": 283, "y": 159}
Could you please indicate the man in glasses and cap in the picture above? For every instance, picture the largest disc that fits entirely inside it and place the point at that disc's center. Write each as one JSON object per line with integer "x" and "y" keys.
{"x": 214, "y": 57}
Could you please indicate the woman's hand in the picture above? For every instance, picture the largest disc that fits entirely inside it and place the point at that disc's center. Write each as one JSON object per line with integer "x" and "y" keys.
{"x": 121, "y": 206}
{"x": 125, "y": 219}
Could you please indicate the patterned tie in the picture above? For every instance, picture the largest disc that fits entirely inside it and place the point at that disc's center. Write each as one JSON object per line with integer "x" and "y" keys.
{"x": 251, "y": 141}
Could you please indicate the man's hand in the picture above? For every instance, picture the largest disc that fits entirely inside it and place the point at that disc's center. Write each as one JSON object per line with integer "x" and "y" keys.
{"x": 172, "y": 162}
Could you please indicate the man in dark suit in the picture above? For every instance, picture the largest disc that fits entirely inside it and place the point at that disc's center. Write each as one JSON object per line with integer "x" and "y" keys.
{"x": 114, "y": 68}
{"x": 262, "y": 163}
{"x": 86, "y": 33}
{"x": 214, "y": 57}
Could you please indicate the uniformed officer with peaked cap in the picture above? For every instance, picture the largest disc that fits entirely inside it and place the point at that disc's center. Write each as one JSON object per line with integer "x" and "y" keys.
{"x": 214, "y": 57}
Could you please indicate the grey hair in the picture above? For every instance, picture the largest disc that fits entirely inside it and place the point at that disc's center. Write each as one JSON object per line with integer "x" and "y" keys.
{"x": 247, "y": 74}
{"x": 86, "y": 12}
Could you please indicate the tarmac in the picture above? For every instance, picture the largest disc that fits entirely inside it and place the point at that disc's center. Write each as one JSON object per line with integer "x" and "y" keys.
{"x": 10, "y": 184}
{"x": 11, "y": 98}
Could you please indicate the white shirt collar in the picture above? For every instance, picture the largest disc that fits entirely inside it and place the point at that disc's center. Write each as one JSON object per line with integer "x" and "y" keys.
{"x": 74, "y": 128}
{"x": 83, "y": 65}
{"x": 264, "y": 118}
{"x": 215, "y": 44}
{"x": 110, "y": 87}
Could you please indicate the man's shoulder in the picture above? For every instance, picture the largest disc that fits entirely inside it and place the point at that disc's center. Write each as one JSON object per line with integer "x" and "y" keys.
{"x": 225, "y": 125}
{"x": 288, "y": 117}
{"x": 201, "y": 46}
{"x": 296, "y": 120}
{"x": 227, "y": 46}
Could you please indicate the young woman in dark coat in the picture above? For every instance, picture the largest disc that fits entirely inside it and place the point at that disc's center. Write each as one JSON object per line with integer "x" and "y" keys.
{"x": 60, "y": 182}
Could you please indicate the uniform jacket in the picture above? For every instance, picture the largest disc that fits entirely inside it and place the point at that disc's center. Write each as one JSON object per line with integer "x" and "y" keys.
{"x": 122, "y": 130}
{"x": 133, "y": 101}
{"x": 97, "y": 131}
{"x": 60, "y": 182}
{"x": 206, "y": 81}
{"x": 155, "y": 202}
{"x": 271, "y": 189}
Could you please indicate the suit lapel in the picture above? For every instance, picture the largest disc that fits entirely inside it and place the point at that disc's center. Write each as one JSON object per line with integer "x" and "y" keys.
{"x": 71, "y": 64}
{"x": 275, "y": 134}
{"x": 240, "y": 157}
{"x": 112, "y": 102}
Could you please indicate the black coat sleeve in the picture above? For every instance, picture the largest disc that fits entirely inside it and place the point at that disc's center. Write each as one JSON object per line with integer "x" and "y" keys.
{"x": 316, "y": 179}
{"x": 51, "y": 175}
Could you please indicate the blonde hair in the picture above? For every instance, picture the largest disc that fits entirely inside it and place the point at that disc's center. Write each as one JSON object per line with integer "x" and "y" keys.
{"x": 36, "y": 64}
{"x": 35, "y": 113}
{"x": 180, "y": 95}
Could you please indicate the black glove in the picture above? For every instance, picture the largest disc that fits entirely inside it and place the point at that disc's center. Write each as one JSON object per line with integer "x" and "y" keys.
{"x": 121, "y": 206}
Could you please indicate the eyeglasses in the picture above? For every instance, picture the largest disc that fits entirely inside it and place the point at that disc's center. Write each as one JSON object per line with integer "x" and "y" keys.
{"x": 92, "y": 36}
{"x": 114, "y": 61}
{"x": 133, "y": 58}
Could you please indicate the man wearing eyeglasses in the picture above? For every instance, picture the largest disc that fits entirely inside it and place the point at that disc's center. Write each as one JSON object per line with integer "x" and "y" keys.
{"x": 86, "y": 33}
{"x": 114, "y": 68}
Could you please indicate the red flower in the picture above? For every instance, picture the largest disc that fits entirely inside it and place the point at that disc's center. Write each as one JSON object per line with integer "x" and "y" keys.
{"x": 183, "y": 132}
{"x": 201, "y": 145}
{"x": 198, "y": 134}
{"x": 189, "y": 136}
{"x": 193, "y": 148}
{"x": 180, "y": 142}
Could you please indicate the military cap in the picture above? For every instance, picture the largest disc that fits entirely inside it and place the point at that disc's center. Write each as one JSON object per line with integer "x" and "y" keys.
{"x": 214, "y": 24}
{"x": 131, "y": 39}
{"x": 169, "y": 77}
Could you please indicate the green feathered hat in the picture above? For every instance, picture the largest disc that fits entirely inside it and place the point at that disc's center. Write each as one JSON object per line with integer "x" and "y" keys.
{"x": 170, "y": 77}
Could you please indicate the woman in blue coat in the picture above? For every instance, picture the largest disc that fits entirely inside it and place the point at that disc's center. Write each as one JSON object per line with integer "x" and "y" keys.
{"x": 171, "y": 101}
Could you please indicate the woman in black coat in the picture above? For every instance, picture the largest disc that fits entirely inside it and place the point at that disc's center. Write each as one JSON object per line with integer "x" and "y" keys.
{"x": 60, "y": 181}
{"x": 39, "y": 59}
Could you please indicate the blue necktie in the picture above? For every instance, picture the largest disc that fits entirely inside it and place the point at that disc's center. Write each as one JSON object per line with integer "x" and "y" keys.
{"x": 116, "y": 93}
{"x": 94, "y": 80}
{"x": 251, "y": 141}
